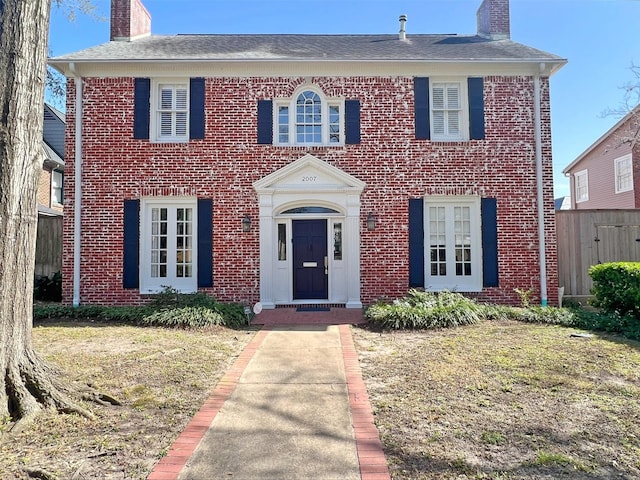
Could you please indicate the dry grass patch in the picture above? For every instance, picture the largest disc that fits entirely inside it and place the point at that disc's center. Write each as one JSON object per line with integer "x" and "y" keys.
{"x": 161, "y": 376}
{"x": 504, "y": 400}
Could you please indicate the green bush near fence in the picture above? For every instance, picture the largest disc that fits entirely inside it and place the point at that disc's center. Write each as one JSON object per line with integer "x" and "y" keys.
{"x": 616, "y": 288}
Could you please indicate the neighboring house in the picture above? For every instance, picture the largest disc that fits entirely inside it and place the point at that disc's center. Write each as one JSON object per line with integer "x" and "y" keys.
{"x": 607, "y": 174}
{"x": 563, "y": 203}
{"x": 50, "y": 195}
{"x": 308, "y": 169}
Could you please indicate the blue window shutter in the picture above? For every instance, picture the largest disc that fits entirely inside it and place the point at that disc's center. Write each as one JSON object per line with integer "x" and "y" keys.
{"x": 352, "y": 121}
{"x": 489, "y": 212}
{"x": 416, "y": 242}
{"x": 476, "y": 108}
{"x": 141, "y": 95}
{"x": 205, "y": 242}
{"x": 196, "y": 108}
{"x": 421, "y": 108}
{"x": 265, "y": 122}
{"x": 131, "y": 244}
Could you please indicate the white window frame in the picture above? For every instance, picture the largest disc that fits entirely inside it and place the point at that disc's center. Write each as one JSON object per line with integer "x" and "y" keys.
{"x": 581, "y": 182}
{"x": 326, "y": 104}
{"x": 57, "y": 184}
{"x": 463, "y": 109}
{"x": 621, "y": 164}
{"x": 451, "y": 281}
{"x": 155, "y": 124}
{"x": 149, "y": 284}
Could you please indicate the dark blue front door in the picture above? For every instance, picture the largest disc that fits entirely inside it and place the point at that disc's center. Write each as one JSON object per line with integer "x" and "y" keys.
{"x": 310, "y": 279}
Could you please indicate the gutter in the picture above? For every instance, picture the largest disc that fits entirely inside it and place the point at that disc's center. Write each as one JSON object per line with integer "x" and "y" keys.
{"x": 540, "y": 187}
{"x": 77, "y": 204}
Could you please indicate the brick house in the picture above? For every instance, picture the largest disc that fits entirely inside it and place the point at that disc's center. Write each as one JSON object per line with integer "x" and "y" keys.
{"x": 289, "y": 169}
{"x": 607, "y": 174}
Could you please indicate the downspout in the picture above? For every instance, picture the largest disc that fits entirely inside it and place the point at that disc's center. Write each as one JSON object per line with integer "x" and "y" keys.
{"x": 77, "y": 205}
{"x": 540, "y": 185}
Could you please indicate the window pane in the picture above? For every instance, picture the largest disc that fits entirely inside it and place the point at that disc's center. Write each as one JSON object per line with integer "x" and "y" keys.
{"x": 158, "y": 241}
{"x": 166, "y": 123}
{"x": 462, "y": 226}
{"x": 453, "y": 123}
{"x": 437, "y": 237}
{"x": 181, "y": 124}
{"x": 166, "y": 98}
{"x": 282, "y": 241}
{"x": 181, "y": 99}
{"x": 438, "y": 97}
{"x": 453, "y": 97}
{"x": 337, "y": 241}
{"x": 438, "y": 123}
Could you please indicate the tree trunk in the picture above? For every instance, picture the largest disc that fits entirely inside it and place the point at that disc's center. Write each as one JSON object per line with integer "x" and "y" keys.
{"x": 26, "y": 383}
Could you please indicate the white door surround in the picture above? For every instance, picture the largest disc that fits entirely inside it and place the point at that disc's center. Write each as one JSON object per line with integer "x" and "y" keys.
{"x": 309, "y": 182}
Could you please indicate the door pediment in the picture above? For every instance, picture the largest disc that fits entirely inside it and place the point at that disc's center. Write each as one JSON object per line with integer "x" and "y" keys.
{"x": 309, "y": 173}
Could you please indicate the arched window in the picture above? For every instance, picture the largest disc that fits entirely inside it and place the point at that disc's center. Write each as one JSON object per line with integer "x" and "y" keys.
{"x": 308, "y": 118}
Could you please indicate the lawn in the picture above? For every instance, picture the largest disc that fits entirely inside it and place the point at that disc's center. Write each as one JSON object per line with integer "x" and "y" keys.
{"x": 504, "y": 400}
{"x": 162, "y": 377}
{"x": 495, "y": 400}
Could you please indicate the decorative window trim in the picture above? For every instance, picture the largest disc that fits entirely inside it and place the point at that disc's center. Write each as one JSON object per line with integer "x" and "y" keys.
{"x": 287, "y": 125}
{"x": 623, "y": 183}
{"x": 581, "y": 196}
{"x": 472, "y": 282}
{"x": 155, "y": 123}
{"x": 154, "y": 285}
{"x": 436, "y": 83}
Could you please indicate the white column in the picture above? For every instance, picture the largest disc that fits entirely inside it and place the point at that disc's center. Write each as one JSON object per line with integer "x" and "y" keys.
{"x": 266, "y": 251}
{"x": 352, "y": 234}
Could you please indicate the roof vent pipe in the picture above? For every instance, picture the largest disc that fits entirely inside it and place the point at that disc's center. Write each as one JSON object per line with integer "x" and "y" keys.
{"x": 402, "y": 34}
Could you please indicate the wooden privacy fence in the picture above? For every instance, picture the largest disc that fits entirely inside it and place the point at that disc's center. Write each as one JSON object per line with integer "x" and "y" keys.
{"x": 590, "y": 237}
{"x": 48, "y": 246}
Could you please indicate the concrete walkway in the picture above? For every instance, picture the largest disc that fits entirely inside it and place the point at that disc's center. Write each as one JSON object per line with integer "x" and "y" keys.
{"x": 293, "y": 406}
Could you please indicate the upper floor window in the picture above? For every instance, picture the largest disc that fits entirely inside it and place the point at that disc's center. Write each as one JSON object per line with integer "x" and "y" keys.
{"x": 446, "y": 111}
{"x": 171, "y": 117}
{"x": 169, "y": 110}
{"x": 309, "y": 119}
{"x": 624, "y": 174}
{"x": 449, "y": 109}
{"x": 581, "y": 185}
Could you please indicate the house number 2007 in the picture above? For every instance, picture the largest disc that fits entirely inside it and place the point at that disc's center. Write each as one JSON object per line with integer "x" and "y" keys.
{"x": 309, "y": 179}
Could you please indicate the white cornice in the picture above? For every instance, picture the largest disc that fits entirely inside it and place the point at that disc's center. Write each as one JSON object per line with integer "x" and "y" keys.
{"x": 280, "y": 68}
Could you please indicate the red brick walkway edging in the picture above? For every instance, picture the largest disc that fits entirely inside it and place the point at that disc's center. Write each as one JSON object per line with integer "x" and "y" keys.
{"x": 373, "y": 464}
{"x": 170, "y": 466}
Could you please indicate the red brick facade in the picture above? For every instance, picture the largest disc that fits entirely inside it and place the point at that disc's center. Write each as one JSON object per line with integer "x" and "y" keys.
{"x": 393, "y": 164}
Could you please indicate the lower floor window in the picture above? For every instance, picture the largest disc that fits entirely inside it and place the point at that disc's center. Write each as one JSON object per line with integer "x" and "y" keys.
{"x": 453, "y": 254}
{"x": 168, "y": 246}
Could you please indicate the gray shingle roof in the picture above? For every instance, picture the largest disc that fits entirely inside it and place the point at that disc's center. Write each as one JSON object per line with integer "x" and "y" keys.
{"x": 290, "y": 47}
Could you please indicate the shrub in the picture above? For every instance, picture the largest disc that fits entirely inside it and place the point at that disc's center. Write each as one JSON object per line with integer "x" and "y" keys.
{"x": 48, "y": 289}
{"x": 548, "y": 315}
{"x": 611, "y": 322}
{"x": 114, "y": 313}
{"x": 421, "y": 310}
{"x": 168, "y": 308}
{"x": 184, "y": 317}
{"x": 616, "y": 287}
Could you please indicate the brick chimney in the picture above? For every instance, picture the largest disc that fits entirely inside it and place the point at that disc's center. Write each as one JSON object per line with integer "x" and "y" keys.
{"x": 129, "y": 20}
{"x": 493, "y": 19}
